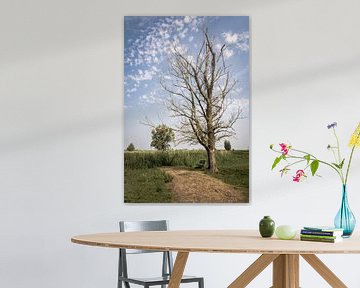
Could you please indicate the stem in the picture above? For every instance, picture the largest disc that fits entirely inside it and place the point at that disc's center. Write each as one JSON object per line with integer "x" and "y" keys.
{"x": 348, "y": 167}
{"x": 338, "y": 150}
{"x": 338, "y": 145}
{"x": 304, "y": 152}
{"x": 296, "y": 162}
{"x": 312, "y": 159}
{"x": 320, "y": 161}
{"x": 333, "y": 152}
{"x": 350, "y": 159}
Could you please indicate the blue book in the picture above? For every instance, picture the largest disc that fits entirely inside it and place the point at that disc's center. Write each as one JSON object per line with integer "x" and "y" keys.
{"x": 322, "y": 231}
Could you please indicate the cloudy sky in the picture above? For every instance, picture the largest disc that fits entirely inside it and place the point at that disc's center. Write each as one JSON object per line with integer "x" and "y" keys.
{"x": 147, "y": 45}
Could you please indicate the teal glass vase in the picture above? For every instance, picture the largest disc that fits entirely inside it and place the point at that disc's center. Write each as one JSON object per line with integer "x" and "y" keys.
{"x": 345, "y": 219}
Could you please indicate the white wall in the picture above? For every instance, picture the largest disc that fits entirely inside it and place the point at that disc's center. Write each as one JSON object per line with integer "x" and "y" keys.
{"x": 61, "y": 164}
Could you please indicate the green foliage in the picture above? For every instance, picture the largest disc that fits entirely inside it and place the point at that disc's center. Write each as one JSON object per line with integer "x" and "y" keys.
{"x": 161, "y": 137}
{"x": 131, "y": 147}
{"x": 233, "y": 167}
{"x": 150, "y": 159}
{"x": 296, "y": 156}
{"x": 144, "y": 182}
{"x": 276, "y": 162}
{"x": 227, "y": 145}
{"x": 146, "y": 186}
{"x": 200, "y": 164}
{"x": 339, "y": 166}
{"x": 314, "y": 166}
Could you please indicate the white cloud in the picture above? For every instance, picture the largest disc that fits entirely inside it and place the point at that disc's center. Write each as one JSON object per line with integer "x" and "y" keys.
{"x": 183, "y": 33}
{"x": 228, "y": 53}
{"x": 239, "y": 40}
{"x": 243, "y": 46}
{"x": 134, "y": 89}
{"x": 230, "y": 38}
{"x": 239, "y": 103}
{"x": 149, "y": 98}
{"x": 153, "y": 46}
{"x": 187, "y": 19}
{"x": 144, "y": 75}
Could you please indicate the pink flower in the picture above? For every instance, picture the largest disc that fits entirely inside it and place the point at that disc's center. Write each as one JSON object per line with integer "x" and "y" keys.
{"x": 284, "y": 148}
{"x": 300, "y": 174}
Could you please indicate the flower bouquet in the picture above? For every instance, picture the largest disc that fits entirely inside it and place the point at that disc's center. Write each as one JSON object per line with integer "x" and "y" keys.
{"x": 292, "y": 157}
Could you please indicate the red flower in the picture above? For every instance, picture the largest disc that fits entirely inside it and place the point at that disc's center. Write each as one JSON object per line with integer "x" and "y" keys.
{"x": 300, "y": 174}
{"x": 284, "y": 148}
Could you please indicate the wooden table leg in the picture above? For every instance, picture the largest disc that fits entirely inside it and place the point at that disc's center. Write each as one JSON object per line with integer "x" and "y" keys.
{"x": 286, "y": 271}
{"x": 253, "y": 270}
{"x": 178, "y": 270}
{"x": 324, "y": 271}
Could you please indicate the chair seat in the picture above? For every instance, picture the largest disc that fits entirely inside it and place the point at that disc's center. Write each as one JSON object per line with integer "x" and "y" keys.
{"x": 158, "y": 280}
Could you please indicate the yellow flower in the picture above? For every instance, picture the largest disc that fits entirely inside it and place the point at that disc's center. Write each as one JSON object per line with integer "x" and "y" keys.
{"x": 355, "y": 138}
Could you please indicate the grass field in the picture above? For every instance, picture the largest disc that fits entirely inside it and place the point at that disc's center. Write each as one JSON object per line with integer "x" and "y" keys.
{"x": 145, "y": 183}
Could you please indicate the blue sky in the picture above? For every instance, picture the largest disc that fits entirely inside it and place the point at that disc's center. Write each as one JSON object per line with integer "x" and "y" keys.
{"x": 148, "y": 43}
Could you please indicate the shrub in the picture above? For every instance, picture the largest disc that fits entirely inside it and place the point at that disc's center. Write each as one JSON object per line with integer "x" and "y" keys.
{"x": 131, "y": 147}
{"x": 227, "y": 145}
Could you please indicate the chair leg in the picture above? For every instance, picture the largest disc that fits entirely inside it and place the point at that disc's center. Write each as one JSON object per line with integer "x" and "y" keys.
{"x": 201, "y": 283}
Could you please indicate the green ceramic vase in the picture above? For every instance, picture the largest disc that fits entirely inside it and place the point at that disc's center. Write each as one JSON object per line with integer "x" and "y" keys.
{"x": 266, "y": 227}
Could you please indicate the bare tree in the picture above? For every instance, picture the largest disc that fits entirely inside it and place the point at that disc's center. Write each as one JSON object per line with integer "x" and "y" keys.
{"x": 200, "y": 89}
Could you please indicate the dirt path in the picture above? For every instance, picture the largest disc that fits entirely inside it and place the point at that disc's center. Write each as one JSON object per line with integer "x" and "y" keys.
{"x": 190, "y": 186}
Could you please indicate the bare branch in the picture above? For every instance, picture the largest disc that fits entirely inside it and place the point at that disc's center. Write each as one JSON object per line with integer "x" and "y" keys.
{"x": 199, "y": 92}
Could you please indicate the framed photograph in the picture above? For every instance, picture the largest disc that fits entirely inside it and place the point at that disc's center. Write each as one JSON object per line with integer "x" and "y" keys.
{"x": 186, "y": 97}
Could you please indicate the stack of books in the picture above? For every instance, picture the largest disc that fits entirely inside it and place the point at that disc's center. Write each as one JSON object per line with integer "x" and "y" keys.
{"x": 321, "y": 234}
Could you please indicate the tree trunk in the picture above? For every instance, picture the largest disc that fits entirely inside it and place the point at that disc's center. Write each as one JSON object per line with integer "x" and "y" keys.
{"x": 212, "y": 160}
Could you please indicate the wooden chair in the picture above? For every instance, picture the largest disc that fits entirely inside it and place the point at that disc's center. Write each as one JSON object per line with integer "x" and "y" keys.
{"x": 167, "y": 262}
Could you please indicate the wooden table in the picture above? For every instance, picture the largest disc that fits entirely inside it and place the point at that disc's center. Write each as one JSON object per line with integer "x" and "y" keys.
{"x": 284, "y": 254}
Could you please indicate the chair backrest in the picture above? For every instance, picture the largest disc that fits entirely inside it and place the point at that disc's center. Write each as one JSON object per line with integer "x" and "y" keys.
{"x": 135, "y": 226}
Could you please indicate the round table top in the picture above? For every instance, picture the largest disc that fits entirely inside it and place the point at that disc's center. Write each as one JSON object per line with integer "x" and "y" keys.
{"x": 217, "y": 241}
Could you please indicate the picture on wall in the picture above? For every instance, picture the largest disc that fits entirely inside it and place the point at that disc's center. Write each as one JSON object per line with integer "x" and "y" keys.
{"x": 187, "y": 107}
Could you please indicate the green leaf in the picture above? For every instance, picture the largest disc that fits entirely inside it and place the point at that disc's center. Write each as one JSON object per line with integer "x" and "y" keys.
{"x": 342, "y": 163}
{"x": 271, "y": 146}
{"x": 314, "y": 166}
{"x": 339, "y": 166}
{"x": 276, "y": 161}
{"x": 307, "y": 157}
{"x": 336, "y": 165}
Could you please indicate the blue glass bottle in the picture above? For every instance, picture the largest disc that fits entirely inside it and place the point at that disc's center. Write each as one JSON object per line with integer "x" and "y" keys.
{"x": 345, "y": 219}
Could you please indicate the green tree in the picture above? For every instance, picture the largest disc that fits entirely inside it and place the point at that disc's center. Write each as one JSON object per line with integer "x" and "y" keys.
{"x": 161, "y": 137}
{"x": 227, "y": 145}
{"x": 131, "y": 147}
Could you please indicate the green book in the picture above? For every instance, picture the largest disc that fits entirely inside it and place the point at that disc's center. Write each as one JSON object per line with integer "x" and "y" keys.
{"x": 325, "y": 240}
{"x": 319, "y": 236}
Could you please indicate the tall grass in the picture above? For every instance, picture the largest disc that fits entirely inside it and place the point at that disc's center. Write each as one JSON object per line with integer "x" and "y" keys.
{"x": 183, "y": 158}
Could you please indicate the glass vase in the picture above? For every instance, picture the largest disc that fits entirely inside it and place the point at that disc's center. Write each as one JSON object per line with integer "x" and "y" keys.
{"x": 345, "y": 219}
